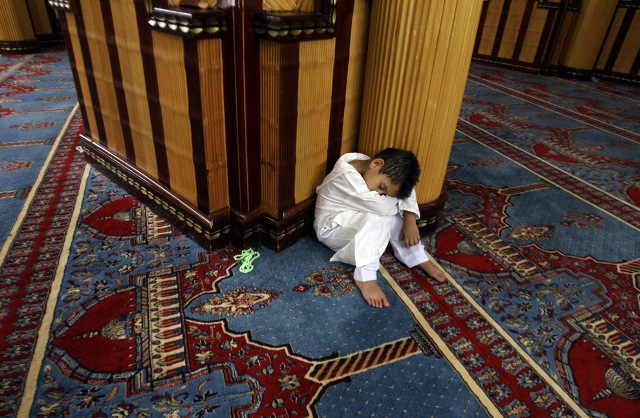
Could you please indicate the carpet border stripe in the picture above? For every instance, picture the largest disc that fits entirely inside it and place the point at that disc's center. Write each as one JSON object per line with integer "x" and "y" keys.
{"x": 13, "y": 233}
{"x": 587, "y": 120}
{"x": 549, "y": 167}
{"x": 483, "y": 398}
{"x": 453, "y": 360}
{"x": 33, "y": 372}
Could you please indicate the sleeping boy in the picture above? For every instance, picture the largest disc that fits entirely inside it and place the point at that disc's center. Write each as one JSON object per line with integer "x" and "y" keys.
{"x": 363, "y": 204}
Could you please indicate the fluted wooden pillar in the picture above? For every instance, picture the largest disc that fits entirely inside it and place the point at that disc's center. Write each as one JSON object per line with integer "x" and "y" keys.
{"x": 618, "y": 57}
{"x": 588, "y": 35}
{"x": 16, "y": 25}
{"x": 417, "y": 64}
{"x": 26, "y": 25}
{"x": 16, "y": 31}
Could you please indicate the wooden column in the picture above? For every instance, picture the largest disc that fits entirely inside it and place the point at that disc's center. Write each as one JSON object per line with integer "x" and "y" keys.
{"x": 16, "y": 24}
{"x": 525, "y": 33}
{"x": 588, "y": 34}
{"x": 418, "y": 60}
{"x": 27, "y": 25}
{"x": 620, "y": 54}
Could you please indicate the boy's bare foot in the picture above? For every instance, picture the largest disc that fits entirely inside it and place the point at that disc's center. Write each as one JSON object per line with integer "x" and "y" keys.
{"x": 373, "y": 294}
{"x": 433, "y": 271}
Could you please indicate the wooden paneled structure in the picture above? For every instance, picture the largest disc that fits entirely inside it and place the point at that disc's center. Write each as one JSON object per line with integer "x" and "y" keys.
{"x": 525, "y": 33}
{"x": 572, "y": 37}
{"x": 619, "y": 55}
{"x": 27, "y": 25}
{"x": 227, "y": 114}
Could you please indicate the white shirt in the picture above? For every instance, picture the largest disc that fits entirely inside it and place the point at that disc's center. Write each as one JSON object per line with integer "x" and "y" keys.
{"x": 344, "y": 189}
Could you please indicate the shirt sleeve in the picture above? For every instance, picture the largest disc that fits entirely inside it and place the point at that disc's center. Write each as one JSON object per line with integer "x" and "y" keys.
{"x": 410, "y": 204}
{"x": 348, "y": 194}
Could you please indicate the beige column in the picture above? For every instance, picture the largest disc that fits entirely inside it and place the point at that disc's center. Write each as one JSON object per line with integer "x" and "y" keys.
{"x": 16, "y": 25}
{"x": 588, "y": 34}
{"x": 417, "y": 65}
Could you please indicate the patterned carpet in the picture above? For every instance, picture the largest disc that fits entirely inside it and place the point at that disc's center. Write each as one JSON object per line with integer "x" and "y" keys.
{"x": 111, "y": 311}
{"x": 36, "y": 95}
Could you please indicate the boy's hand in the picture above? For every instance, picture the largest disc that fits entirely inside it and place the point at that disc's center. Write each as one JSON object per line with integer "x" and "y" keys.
{"x": 410, "y": 233}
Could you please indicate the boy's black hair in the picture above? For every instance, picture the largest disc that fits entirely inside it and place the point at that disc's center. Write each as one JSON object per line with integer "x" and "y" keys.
{"x": 402, "y": 167}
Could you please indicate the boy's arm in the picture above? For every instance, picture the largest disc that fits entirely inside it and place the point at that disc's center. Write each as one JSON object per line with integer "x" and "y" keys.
{"x": 410, "y": 213}
{"x": 410, "y": 233}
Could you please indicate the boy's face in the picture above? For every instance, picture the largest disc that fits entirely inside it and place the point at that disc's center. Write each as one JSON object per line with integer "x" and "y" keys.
{"x": 378, "y": 182}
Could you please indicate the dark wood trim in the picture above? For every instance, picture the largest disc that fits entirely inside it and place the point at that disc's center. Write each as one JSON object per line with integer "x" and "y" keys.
{"x": 53, "y": 19}
{"x": 561, "y": 18}
{"x": 180, "y": 21}
{"x": 246, "y": 228}
{"x": 294, "y": 224}
{"x": 292, "y": 26}
{"x": 544, "y": 47}
{"x": 295, "y": 26}
{"x": 620, "y": 38}
{"x": 188, "y": 22}
{"x": 629, "y": 3}
{"x": 560, "y": 4}
{"x": 231, "y": 117}
{"x": 522, "y": 31}
{"x": 194, "y": 91}
{"x": 116, "y": 74}
{"x": 504, "y": 62}
{"x": 430, "y": 214}
{"x": 20, "y": 47}
{"x": 91, "y": 80}
{"x": 243, "y": 73}
{"x": 72, "y": 6}
{"x": 153, "y": 93}
{"x": 497, "y": 42}
{"x": 209, "y": 231}
{"x": 50, "y": 39}
{"x": 623, "y": 77}
{"x": 288, "y": 93}
{"x": 243, "y": 229}
{"x": 339, "y": 87}
{"x": 635, "y": 67}
{"x": 575, "y": 72}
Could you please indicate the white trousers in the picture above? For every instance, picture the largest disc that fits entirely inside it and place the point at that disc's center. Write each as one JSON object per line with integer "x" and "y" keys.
{"x": 360, "y": 239}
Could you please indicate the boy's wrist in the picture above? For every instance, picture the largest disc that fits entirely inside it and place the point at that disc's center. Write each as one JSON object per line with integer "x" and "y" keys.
{"x": 409, "y": 216}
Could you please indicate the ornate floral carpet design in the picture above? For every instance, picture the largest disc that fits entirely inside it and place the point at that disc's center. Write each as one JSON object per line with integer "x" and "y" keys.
{"x": 108, "y": 310}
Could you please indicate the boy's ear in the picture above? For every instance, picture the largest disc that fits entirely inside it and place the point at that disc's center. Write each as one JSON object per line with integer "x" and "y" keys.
{"x": 377, "y": 163}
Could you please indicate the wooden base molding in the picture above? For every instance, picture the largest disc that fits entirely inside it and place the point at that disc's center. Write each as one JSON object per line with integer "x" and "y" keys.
{"x": 218, "y": 229}
{"x": 430, "y": 214}
{"x": 31, "y": 45}
{"x": 209, "y": 231}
